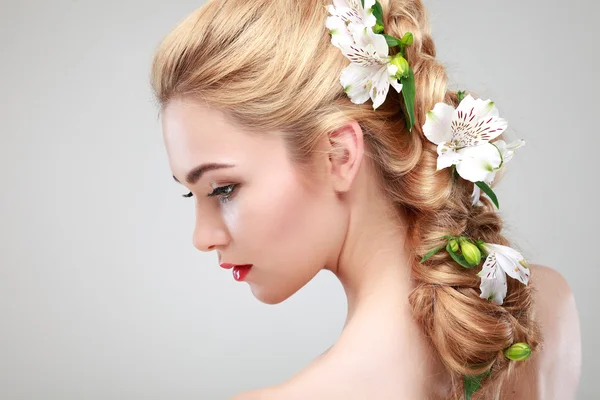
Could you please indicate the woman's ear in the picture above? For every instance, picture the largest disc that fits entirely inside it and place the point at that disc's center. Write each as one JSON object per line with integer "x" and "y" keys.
{"x": 346, "y": 146}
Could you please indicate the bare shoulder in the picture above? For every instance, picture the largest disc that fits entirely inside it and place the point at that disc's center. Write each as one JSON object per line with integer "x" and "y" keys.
{"x": 553, "y": 373}
{"x": 305, "y": 384}
{"x": 268, "y": 393}
{"x": 559, "y": 359}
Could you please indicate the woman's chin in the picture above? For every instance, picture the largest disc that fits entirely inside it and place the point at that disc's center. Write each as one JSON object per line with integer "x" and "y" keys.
{"x": 268, "y": 295}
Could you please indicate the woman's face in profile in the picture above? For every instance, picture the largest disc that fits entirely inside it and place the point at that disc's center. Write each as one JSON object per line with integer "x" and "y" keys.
{"x": 265, "y": 213}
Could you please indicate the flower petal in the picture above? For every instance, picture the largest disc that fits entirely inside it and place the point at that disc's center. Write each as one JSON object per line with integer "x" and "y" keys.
{"x": 368, "y": 4}
{"x": 498, "y": 248}
{"x": 508, "y": 150}
{"x": 513, "y": 268}
{"x": 493, "y": 281}
{"x": 381, "y": 86}
{"x": 364, "y": 36}
{"x": 347, "y": 14}
{"x": 380, "y": 44}
{"x": 396, "y": 84}
{"x": 438, "y": 123}
{"x": 478, "y": 163}
{"x": 475, "y": 122}
{"x": 468, "y": 131}
{"x": 368, "y": 18}
{"x": 353, "y": 11}
{"x": 477, "y": 107}
{"x": 363, "y": 56}
{"x": 340, "y": 35}
{"x": 446, "y": 156}
{"x": 476, "y": 195}
{"x": 511, "y": 261}
{"x": 357, "y": 83}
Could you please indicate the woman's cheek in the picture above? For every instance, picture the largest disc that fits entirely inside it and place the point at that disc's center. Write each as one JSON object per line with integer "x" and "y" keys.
{"x": 231, "y": 212}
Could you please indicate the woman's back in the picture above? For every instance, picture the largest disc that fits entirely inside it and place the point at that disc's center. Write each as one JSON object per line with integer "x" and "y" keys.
{"x": 380, "y": 365}
{"x": 553, "y": 371}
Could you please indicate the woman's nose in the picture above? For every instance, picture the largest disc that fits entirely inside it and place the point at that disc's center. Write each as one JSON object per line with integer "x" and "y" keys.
{"x": 209, "y": 236}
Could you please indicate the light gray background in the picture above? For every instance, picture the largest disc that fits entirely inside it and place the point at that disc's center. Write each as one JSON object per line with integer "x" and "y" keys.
{"x": 102, "y": 295}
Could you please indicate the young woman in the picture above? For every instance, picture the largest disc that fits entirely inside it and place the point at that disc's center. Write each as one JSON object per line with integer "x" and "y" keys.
{"x": 293, "y": 172}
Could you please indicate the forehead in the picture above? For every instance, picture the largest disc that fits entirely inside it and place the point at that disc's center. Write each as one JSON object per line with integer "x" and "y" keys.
{"x": 195, "y": 133}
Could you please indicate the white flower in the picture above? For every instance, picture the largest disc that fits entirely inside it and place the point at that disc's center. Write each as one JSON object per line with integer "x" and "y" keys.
{"x": 370, "y": 72}
{"x": 463, "y": 137}
{"x": 501, "y": 260}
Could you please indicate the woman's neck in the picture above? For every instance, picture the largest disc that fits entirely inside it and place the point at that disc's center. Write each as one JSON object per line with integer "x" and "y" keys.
{"x": 374, "y": 267}
{"x": 374, "y": 262}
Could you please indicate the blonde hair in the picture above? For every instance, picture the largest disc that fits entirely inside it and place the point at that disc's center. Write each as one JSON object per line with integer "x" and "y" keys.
{"x": 269, "y": 65}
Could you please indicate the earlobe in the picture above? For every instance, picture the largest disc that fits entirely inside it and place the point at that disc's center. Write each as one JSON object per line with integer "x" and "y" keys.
{"x": 347, "y": 149}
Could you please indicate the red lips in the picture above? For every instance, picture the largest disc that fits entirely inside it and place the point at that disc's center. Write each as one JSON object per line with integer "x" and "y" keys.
{"x": 239, "y": 270}
{"x": 229, "y": 266}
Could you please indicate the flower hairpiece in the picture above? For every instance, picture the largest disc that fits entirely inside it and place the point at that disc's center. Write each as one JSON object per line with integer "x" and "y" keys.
{"x": 356, "y": 28}
{"x": 499, "y": 261}
{"x": 464, "y": 135}
{"x": 464, "y": 142}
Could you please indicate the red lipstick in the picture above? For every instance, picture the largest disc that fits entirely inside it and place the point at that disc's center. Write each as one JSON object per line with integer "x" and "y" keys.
{"x": 239, "y": 270}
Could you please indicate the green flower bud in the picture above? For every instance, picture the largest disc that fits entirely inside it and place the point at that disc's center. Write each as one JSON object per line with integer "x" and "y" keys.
{"x": 454, "y": 245}
{"x": 402, "y": 65}
{"x": 518, "y": 352}
{"x": 378, "y": 28}
{"x": 407, "y": 39}
{"x": 470, "y": 252}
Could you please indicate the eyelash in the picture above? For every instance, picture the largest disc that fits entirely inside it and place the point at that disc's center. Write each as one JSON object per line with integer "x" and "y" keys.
{"x": 218, "y": 191}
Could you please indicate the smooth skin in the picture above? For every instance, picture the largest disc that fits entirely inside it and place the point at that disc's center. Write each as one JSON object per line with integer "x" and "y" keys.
{"x": 291, "y": 225}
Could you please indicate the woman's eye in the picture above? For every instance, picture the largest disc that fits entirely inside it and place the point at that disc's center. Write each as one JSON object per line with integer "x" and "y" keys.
{"x": 223, "y": 192}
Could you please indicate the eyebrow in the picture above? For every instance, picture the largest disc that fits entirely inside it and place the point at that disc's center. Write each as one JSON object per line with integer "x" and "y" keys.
{"x": 195, "y": 174}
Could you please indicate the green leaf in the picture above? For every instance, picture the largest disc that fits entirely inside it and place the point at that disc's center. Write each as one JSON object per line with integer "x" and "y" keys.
{"x": 461, "y": 95}
{"x": 431, "y": 253}
{"x": 408, "y": 93}
{"x": 391, "y": 41}
{"x": 363, "y": 3}
{"x": 458, "y": 257}
{"x": 377, "y": 12}
{"x": 473, "y": 383}
{"x": 488, "y": 190}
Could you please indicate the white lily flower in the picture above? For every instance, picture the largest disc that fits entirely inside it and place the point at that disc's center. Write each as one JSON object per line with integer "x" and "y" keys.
{"x": 501, "y": 260}
{"x": 370, "y": 72}
{"x": 463, "y": 137}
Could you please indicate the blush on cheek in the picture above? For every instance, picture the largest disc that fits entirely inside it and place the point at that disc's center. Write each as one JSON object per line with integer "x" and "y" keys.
{"x": 284, "y": 213}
